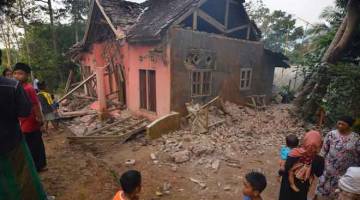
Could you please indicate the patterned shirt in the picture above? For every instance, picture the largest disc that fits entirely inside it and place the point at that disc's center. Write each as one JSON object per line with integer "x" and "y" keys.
{"x": 340, "y": 153}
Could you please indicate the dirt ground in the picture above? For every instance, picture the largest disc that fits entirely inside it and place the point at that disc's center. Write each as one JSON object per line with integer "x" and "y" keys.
{"x": 90, "y": 171}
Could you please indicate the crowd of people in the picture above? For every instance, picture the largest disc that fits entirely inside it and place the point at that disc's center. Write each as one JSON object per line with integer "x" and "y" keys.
{"x": 332, "y": 163}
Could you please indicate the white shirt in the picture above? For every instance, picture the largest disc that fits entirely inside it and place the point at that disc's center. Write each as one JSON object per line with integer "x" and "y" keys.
{"x": 35, "y": 84}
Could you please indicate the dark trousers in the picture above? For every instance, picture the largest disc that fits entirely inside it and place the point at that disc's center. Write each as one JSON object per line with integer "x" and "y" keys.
{"x": 37, "y": 149}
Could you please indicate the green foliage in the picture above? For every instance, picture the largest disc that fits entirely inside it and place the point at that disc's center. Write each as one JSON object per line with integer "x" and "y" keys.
{"x": 46, "y": 64}
{"x": 279, "y": 29}
{"x": 280, "y": 33}
{"x": 343, "y": 94}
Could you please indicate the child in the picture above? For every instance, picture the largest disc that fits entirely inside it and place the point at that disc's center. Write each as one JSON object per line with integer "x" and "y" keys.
{"x": 47, "y": 105}
{"x": 349, "y": 184}
{"x": 291, "y": 142}
{"x": 254, "y": 185}
{"x": 31, "y": 125}
{"x": 130, "y": 183}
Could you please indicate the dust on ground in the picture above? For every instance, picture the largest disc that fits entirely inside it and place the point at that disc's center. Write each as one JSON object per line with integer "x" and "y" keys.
{"x": 180, "y": 165}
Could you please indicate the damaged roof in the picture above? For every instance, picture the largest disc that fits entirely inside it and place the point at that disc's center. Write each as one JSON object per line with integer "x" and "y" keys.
{"x": 159, "y": 15}
{"x": 277, "y": 59}
{"x": 121, "y": 13}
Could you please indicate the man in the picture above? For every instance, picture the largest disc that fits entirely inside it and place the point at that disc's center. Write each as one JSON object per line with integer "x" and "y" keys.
{"x": 31, "y": 125}
{"x": 18, "y": 177}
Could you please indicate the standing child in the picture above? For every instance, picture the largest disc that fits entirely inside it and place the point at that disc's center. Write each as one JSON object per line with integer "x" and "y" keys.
{"x": 48, "y": 107}
{"x": 254, "y": 185}
{"x": 130, "y": 183}
{"x": 31, "y": 125}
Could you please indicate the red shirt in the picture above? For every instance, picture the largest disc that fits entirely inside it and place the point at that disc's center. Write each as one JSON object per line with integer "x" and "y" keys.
{"x": 30, "y": 124}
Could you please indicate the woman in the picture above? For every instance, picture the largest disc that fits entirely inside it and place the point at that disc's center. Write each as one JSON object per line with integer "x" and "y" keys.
{"x": 341, "y": 150}
{"x": 303, "y": 163}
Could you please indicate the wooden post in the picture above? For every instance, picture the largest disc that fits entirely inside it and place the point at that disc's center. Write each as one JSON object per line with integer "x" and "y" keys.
{"x": 68, "y": 82}
{"x": 100, "y": 73}
{"x": 76, "y": 88}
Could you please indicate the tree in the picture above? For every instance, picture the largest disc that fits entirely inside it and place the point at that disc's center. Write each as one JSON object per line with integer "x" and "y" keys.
{"x": 5, "y": 5}
{"x": 77, "y": 10}
{"x": 278, "y": 28}
{"x": 280, "y": 32}
{"x": 320, "y": 83}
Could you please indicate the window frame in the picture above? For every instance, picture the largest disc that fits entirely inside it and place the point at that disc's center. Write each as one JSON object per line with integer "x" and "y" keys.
{"x": 247, "y": 80}
{"x": 201, "y": 83}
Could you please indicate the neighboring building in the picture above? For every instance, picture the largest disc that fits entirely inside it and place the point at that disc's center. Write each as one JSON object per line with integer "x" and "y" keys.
{"x": 163, "y": 53}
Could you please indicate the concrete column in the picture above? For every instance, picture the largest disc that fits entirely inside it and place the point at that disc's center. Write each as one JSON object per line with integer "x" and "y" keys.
{"x": 100, "y": 73}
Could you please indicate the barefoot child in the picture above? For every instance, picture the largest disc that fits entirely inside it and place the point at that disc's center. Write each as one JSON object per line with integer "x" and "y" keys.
{"x": 47, "y": 107}
{"x": 254, "y": 185}
{"x": 130, "y": 183}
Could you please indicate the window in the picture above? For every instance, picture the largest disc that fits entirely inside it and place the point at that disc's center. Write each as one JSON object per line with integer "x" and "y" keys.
{"x": 245, "y": 78}
{"x": 147, "y": 90}
{"x": 201, "y": 83}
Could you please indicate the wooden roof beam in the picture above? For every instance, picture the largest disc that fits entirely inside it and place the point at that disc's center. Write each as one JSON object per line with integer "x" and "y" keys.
{"x": 211, "y": 21}
{"x": 117, "y": 33}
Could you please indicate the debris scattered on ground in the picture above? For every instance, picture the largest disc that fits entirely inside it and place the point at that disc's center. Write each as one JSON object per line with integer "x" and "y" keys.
{"x": 247, "y": 130}
{"x": 130, "y": 162}
{"x": 181, "y": 156}
{"x": 200, "y": 183}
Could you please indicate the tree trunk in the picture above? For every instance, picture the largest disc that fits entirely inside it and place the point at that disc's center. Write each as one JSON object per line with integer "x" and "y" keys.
{"x": 16, "y": 39}
{"x": 25, "y": 31}
{"x": 315, "y": 89}
{"x": 54, "y": 39}
{"x": 6, "y": 38}
{"x": 52, "y": 27}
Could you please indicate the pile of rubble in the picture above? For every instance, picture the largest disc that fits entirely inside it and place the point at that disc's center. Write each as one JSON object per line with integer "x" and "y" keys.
{"x": 244, "y": 131}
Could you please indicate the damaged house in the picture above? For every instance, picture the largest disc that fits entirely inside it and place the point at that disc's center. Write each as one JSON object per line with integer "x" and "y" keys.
{"x": 156, "y": 56}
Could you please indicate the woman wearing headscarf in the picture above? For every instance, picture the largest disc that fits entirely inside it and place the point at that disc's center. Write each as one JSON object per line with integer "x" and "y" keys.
{"x": 301, "y": 166}
{"x": 341, "y": 150}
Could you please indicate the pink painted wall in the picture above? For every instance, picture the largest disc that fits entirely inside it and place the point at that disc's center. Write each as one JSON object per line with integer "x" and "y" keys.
{"x": 97, "y": 58}
{"x": 129, "y": 56}
{"x": 133, "y": 64}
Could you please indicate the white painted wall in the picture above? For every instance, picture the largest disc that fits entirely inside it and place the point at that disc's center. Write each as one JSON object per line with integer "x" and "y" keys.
{"x": 283, "y": 76}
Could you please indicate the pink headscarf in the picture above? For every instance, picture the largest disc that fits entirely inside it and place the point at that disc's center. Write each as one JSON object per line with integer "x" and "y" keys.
{"x": 310, "y": 147}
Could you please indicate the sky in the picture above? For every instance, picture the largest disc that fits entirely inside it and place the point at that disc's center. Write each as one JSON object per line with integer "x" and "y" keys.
{"x": 308, "y": 10}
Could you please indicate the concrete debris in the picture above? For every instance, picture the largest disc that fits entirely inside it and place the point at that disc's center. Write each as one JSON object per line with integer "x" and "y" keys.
{"x": 174, "y": 168}
{"x": 200, "y": 183}
{"x": 181, "y": 157}
{"x": 202, "y": 149}
{"x": 130, "y": 162}
{"x": 227, "y": 188}
{"x": 215, "y": 165}
{"x": 166, "y": 188}
{"x": 245, "y": 130}
{"x": 153, "y": 156}
{"x": 158, "y": 193}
